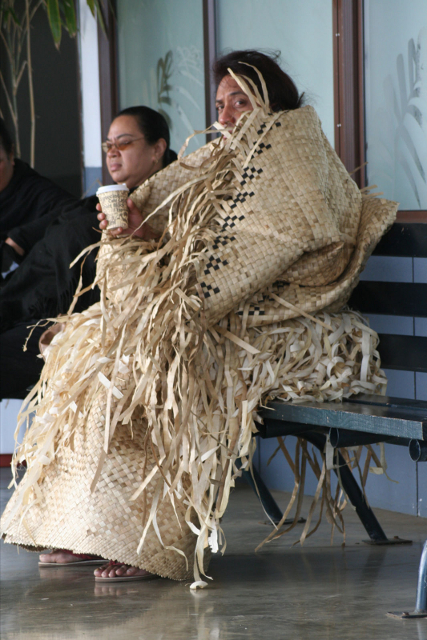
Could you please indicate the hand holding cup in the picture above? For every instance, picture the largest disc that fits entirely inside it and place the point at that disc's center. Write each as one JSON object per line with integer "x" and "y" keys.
{"x": 132, "y": 225}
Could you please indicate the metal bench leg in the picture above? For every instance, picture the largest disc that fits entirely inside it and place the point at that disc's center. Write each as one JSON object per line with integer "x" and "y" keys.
{"x": 352, "y": 489}
{"x": 354, "y": 493}
{"x": 269, "y": 504}
{"x": 421, "y": 600}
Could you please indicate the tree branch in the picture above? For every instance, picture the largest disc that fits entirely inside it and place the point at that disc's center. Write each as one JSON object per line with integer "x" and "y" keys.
{"x": 31, "y": 89}
{"x": 18, "y": 80}
{"x": 6, "y": 45}
{"x": 9, "y": 102}
{"x": 36, "y": 8}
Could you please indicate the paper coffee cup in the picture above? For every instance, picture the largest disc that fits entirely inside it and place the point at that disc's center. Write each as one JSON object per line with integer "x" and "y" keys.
{"x": 113, "y": 202}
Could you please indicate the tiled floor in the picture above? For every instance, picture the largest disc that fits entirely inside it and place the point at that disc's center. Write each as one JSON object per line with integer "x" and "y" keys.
{"x": 318, "y": 592}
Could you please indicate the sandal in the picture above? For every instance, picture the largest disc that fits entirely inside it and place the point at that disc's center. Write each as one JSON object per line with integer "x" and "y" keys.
{"x": 146, "y": 576}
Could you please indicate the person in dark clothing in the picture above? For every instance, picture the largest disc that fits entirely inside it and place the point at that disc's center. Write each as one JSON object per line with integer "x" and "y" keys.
{"x": 26, "y": 198}
{"x": 44, "y": 285}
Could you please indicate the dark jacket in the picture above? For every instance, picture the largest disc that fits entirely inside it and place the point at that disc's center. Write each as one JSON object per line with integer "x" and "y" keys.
{"x": 43, "y": 285}
{"x": 29, "y": 197}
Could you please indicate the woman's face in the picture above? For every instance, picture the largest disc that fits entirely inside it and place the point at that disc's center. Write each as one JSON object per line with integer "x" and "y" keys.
{"x": 6, "y": 168}
{"x": 231, "y": 102}
{"x": 138, "y": 160}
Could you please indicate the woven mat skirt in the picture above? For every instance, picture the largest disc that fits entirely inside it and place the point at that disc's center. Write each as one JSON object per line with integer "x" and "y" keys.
{"x": 105, "y": 522}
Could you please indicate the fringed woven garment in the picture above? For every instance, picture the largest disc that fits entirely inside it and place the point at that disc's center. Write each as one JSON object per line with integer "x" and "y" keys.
{"x": 148, "y": 397}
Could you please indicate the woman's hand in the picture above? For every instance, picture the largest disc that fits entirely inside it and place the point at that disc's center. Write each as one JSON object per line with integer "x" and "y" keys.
{"x": 135, "y": 220}
{"x": 19, "y": 250}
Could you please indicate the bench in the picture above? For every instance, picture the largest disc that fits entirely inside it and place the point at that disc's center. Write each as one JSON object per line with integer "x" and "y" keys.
{"x": 366, "y": 419}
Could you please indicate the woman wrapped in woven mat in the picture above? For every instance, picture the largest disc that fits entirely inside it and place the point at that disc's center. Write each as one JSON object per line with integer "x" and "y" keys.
{"x": 226, "y": 289}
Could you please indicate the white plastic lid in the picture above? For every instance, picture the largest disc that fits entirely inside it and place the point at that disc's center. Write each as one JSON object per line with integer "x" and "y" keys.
{"x": 112, "y": 187}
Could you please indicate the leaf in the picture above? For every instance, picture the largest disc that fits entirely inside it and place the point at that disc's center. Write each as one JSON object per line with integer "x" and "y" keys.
{"x": 160, "y": 71}
{"x": 192, "y": 77}
{"x": 188, "y": 95}
{"x": 91, "y": 5}
{"x": 54, "y": 21}
{"x": 402, "y": 83}
{"x": 412, "y": 56}
{"x": 168, "y": 57}
{"x": 183, "y": 117}
{"x": 417, "y": 145}
{"x": 410, "y": 144}
{"x": 390, "y": 95}
{"x": 70, "y": 16}
{"x": 407, "y": 170}
{"x": 419, "y": 104}
{"x": 168, "y": 63}
{"x": 99, "y": 13}
{"x": 7, "y": 13}
{"x": 162, "y": 75}
{"x": 166, "y": 117}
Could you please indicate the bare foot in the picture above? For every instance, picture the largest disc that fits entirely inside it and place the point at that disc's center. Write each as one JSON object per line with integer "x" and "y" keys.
{"x": 117, "y": 570}
{"x": 62, "y": 556}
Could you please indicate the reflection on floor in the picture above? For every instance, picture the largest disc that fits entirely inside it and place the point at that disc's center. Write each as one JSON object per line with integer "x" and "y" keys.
{"x": 317, "y": 592}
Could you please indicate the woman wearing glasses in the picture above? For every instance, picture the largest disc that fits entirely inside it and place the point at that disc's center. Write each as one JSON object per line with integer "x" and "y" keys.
{"x": 44, "y": 285}
{"x": 259, "y": 234}
{"x": 137, "y": 146}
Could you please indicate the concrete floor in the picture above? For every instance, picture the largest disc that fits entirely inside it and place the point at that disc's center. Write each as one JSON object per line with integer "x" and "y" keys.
{"x": 316, "y": 592}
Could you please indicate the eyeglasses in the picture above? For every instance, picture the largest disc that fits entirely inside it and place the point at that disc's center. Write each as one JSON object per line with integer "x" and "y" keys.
{"x": 107, "y": 146}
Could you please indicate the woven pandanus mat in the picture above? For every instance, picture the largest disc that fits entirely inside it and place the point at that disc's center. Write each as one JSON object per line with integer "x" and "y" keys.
{"x": 282, "y": 202}
{"x": 304, "y": 286}
{"x": 65, "y": 513}
{"x": 155, "y": 389}
{"x": 152, "y": 194}
{"x": 330, "y": 356}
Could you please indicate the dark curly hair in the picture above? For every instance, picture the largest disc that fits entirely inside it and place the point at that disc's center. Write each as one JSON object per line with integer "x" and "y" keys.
{"x": 282, "y": 92}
